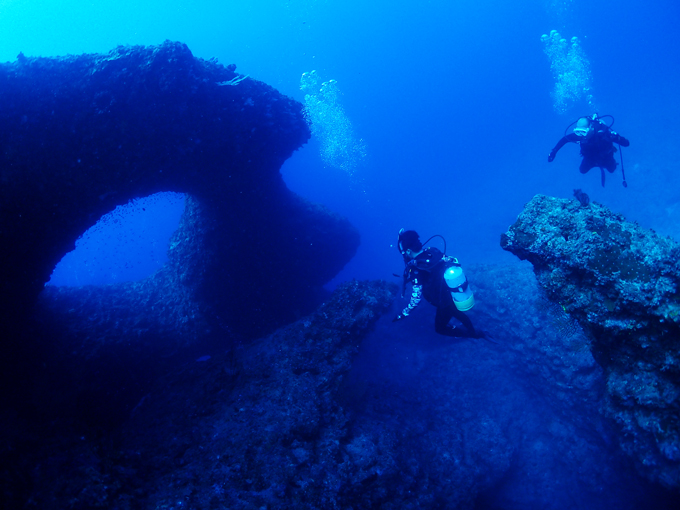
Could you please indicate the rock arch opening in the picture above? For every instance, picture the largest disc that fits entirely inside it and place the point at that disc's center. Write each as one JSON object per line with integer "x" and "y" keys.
{"x": 129, "y": 243}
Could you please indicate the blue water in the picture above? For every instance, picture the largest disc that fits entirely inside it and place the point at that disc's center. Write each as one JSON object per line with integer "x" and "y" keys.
{"x": 127, "y": 244}
{"x": 452, "y": 101}
{"x": 448, "y": 108}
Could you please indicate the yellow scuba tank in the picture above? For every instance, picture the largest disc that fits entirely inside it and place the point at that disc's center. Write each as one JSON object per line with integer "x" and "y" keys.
{"x": 461, "y": 292}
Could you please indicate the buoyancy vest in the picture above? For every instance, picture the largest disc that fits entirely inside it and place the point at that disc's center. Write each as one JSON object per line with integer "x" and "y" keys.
{"x": 442, "y": 278}
{"x": 435, "y": 289}
{"x": 599, "y": 144}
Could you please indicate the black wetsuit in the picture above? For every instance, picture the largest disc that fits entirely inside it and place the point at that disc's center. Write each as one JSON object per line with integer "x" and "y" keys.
{"x": 426, "y": 273}
{"x": 597, "y": 148}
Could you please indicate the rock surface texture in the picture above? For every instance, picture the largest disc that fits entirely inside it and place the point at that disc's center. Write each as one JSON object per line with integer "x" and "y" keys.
{"x": 339, "y": 411}
{"x": 620, "y": 282}
{"x": 257, "y": 425}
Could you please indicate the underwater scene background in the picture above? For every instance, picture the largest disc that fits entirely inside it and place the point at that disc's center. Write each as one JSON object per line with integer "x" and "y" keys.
{"x": 453, "y": 102}
{"x": 437, "y": 116}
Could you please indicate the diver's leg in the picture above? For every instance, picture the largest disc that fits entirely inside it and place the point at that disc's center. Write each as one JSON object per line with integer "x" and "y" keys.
{"x": 586, "y": 165}
{"x": 442, "y": 326}
{"x": 465, "y": 321}
{"x": 610, "y": 164}
{"x": 441, "y": 322}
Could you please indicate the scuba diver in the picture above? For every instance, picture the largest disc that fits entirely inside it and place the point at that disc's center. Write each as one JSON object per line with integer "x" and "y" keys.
{"x": 597, "y": 145}
{"x": 441, "y": 281}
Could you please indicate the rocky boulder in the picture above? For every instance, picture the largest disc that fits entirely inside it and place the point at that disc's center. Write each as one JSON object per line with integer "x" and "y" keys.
{"x": 620, "y": 282}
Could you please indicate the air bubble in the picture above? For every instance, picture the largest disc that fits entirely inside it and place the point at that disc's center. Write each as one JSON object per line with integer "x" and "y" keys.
{"x": 570, "y": 68}
{"x": 328, "y": 122}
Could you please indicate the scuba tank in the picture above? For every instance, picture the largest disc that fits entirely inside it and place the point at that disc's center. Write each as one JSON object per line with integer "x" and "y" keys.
{"x": 455, "y": 278}
{"x": 461, "y": 292}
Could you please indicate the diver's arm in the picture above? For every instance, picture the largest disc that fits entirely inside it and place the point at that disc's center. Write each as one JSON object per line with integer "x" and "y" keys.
{"x": 416, "y": 296}
{"x": 617, "y": 138}
{"x": 571, "y": 137}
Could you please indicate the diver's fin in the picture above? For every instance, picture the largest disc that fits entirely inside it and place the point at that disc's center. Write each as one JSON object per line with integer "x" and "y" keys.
{"x": 490, "y": 339}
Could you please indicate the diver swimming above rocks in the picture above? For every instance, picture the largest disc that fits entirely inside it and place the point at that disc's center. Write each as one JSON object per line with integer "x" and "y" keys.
{"x": 441, "y": 281}
{"x": 597, "y": 140}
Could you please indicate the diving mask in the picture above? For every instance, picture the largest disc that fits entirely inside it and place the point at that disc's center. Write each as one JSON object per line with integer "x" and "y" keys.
{"x": 581, "y": 131}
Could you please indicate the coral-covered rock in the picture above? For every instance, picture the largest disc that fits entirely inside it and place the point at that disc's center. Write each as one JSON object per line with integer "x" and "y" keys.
{"x": 620, "y": 281}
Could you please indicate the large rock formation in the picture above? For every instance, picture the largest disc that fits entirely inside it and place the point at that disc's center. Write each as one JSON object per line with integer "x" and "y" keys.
{"x": 82, "y": 134}
{"x": 620, "y": 281}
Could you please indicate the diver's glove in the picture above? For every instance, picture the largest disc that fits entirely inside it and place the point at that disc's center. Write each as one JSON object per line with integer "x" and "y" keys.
{"x": 551, "y": 156}
{"x": 399, "y": 317}
{"x": 623, "y": 142}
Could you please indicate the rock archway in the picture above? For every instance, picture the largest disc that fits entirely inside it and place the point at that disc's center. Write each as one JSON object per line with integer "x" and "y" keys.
{"x": 80, "y": 135}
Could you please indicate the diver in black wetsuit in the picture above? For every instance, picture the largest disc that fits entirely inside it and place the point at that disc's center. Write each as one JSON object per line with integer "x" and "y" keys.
{"x": 597, "y": 145}
{"x": 441, "y": 281}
